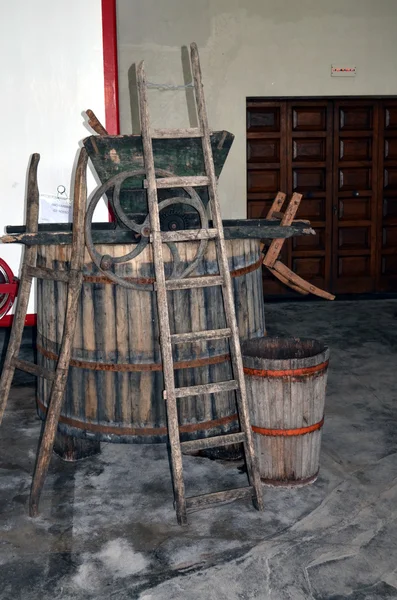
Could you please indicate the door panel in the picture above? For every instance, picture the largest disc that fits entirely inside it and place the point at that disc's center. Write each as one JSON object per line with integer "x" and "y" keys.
{"x": 390, "y": 148}
{"x": 351, "y": 209}
{"x": 264, "y": 181}
{"x": 355, "y": 149}
{"x": 390, "y": 178}
{"x": 389, "y": 237}
{"x": 308, "y": 149}
{"x": 387, "y": 213}
{"x": 357, "y": 238}
{"x": 266, "y": 167}
{"x": 306, "y": 117}
{"x": 350, "y": 268}
{"x": 355, "y": 196}
{"x": 309, "y": 268}
{"x": 389, "y": 114}
{"x": 263, "y": 117}
{"x": 309, "y": 160}
{"x": 263, "y": 151}
{"x": 309, "y": 180}
{"x": 310, "y": 242}
{"x": 389, "y": 266}
{"x": 355, "y": 179}
{"x": 354, "y": 117}
{"x": 312, "y": 209}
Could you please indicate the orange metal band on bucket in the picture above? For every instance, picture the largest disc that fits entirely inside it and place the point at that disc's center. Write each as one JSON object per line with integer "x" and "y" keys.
{"x": 286, "y": 372}
{"x": 288, "y": 432}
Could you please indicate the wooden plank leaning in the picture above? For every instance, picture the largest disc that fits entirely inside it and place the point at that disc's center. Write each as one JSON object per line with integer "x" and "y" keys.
{"x": 28, "y": 260}
{"x": 62, "y": 368}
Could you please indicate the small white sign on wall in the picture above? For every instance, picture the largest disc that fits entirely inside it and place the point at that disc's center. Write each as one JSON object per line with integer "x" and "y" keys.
{"x": 343, "y": 71}
{"x": 55, "y": 208}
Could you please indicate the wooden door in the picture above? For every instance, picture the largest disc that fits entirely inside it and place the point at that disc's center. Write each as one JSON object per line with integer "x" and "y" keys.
{"x": 289, "y": 149}
{"x": 266, "y": 167}
{"x": 355, "y": 196}
{"x": 341, "y": 154}
{"x": 387, "y": 212}
{"x": 309, "y": 168}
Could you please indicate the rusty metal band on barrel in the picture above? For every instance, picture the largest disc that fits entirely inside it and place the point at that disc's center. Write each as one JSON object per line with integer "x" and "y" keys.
{"x": 137, "y": 367}
{"x": 109, "y": 429}
{"x": 287, "y": 372}
{"x": 288, "y": 432}
{"x": 150, "y": 280}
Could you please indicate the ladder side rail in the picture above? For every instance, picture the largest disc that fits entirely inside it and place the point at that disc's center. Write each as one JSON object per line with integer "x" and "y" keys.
{"x": 162, "y": 302}
{"x": 62, "y": 367}
{"x": 252, "y": 465}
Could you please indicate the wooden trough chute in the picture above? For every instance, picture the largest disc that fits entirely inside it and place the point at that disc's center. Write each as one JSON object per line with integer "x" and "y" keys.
{"x": 275, "y": 266}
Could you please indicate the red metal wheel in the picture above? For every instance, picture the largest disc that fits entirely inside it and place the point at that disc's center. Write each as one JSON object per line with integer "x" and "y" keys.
{"x": 8, "y": 288}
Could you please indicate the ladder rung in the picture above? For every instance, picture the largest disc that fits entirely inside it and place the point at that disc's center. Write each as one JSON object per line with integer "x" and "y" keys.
{"x": 207, "y": 499}
{"x": 175, "y": 182}
{"x": 214, "y": 442}
{"x": 195, "y": 336}
{"x": 194, "y": 282}
{"x": 29, "y": 367}
{"x": 52, "y": 274}
{"x": 190, "y": 132}
{"x": 186, "y": 235}
{"x": 207, "y": 388}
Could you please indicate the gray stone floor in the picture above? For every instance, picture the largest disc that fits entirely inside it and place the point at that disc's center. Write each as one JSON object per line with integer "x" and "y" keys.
{"x": 107, "y": 527}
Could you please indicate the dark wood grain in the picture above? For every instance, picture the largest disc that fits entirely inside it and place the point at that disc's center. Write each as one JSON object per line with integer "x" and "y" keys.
{"x": 61, "y": 234}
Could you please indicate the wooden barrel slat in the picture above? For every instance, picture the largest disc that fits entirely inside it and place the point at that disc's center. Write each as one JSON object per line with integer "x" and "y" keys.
{"x": 118, "y": 327}
{"x": 286, "y": 382}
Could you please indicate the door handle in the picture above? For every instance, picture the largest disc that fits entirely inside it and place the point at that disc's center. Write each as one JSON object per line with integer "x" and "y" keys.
{"x": 356, "y": 194}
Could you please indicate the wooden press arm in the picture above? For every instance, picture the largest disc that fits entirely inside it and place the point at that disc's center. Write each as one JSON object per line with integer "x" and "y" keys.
{"x": 276, "y": 245}
{"x": 284, "y": 274}
{"x": 95, "y": 123}
{"x": 275, "y": 266}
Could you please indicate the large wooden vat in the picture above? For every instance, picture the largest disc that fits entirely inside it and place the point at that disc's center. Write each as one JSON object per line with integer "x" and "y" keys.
{"x": 286, "y": 381}
{"x": 115, "y": 384}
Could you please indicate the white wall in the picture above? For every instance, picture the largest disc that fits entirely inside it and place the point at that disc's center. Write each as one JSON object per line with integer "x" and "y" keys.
{"x": 52, "y": 70}
{"x": 254, "y": 48}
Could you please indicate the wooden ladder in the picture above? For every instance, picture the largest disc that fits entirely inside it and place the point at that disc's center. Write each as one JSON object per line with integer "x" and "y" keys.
{"x": 74, "y": 279}
{"x": 167, "y": 340}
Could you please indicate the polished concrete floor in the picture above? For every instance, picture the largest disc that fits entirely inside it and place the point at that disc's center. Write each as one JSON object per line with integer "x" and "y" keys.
{"x": 107, "y": 528}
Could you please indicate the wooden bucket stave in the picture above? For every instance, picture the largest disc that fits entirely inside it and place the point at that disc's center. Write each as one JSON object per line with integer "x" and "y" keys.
{"x": 115, "y": 384}
{"x": 286, "y": 383}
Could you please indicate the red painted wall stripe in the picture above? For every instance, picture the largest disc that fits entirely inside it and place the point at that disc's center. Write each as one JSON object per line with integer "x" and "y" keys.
{"x": 110, "y": 71}
{"x": 110, "y": 66}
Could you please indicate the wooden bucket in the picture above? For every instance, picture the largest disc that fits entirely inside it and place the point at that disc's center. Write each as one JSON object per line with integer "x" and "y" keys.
{"x": 115, "y": 384}
{"x": 286, "y": 381}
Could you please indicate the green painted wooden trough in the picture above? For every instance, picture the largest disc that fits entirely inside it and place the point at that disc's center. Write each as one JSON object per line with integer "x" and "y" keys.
{"x": 111, "y": 155}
